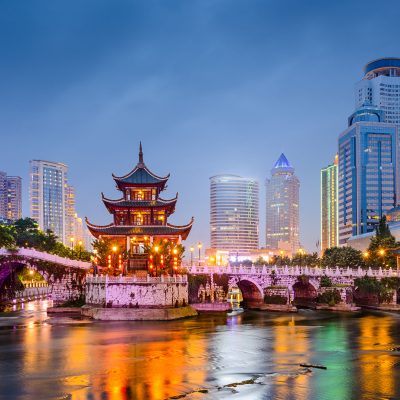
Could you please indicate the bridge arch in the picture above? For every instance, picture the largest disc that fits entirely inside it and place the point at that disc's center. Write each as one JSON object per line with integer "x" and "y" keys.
{"x": 305, "y": 292}
{"x": 251, "y": 291}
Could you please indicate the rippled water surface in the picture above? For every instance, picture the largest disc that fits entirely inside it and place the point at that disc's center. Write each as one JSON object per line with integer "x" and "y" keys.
{"x": 254, "y": 355}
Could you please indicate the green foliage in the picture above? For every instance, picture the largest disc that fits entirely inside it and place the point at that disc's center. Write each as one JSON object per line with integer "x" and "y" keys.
{"x": 330, "y": 297}
{"x": 194, "y": 282}
{"x": 383, "y": 289}
{"x": 25, "y": 232}
{"x": 382, "y": 242}
{"x": 326, "y": 281}
{"x": 342, "y": 257}
{"x": 275, "y": 299}
{"x": 79, "y": 302}
{"x": 104, "y": 248}
{"x": 7, "y": 236}
{"x": 169, "y": 250}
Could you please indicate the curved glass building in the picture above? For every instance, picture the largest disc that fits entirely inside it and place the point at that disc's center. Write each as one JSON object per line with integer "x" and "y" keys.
{"x": 380, "y": 87}
{"x": 234, "y": 213}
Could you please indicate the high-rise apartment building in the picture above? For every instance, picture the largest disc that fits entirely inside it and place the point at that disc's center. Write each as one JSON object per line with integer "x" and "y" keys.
{"x": 329, "y": 206}
{"x": 234, "y": 217}
{"x": 10, "y": 197}
{"x": 282, "y": 207}
{"x": 368, "y": 182}
{"x": 47, "y": 192}
{"x": 380, "y": 87}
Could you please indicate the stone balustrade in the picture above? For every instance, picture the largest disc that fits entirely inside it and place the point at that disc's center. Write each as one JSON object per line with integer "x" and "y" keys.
{"x": 40, "y": 255}
{"x": 136, "y": 279}
{"x": 293, "y": 271}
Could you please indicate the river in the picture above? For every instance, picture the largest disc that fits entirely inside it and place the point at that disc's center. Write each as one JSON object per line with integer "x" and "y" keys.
{"x": 254, "y": 355}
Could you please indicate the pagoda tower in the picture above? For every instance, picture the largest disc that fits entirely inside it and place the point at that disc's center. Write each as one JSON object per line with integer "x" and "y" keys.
{"x": 140, "y": 217}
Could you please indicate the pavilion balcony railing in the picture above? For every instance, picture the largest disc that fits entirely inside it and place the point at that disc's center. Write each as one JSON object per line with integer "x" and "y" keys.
{"x": 289, "y": 270}
{"x": 101, "y": 279}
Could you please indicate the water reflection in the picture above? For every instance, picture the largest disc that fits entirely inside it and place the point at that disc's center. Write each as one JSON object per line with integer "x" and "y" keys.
{"x": 253, "y": 355}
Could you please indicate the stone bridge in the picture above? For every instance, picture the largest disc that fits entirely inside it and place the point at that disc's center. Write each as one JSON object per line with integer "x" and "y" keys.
{"x": 65, "y": 277}
{"x": 257, "y": 281}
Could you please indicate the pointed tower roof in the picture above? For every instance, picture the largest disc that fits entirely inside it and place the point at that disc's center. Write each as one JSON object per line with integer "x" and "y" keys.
{"x": 282, "y": 162}
{"x": 140, "y": 175}
{"x": 282, "y": 165}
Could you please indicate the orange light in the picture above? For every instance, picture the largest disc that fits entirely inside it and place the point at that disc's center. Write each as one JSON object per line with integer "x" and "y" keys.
{"x": 175, "y": 251}
{"x": 151, "y": 266}
{"x": 114, "y": 249}
{"x": 382, "y": 252}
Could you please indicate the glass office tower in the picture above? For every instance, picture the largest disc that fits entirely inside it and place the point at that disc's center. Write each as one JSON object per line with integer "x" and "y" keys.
{"x": 368, "y": 186}
{"x": 329, "y": 206}
{"x": 47, "y": 195}
{"x": 234, "y": 216}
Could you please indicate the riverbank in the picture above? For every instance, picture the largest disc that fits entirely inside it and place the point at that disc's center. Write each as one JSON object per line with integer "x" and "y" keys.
{"x": 138, "y": 314}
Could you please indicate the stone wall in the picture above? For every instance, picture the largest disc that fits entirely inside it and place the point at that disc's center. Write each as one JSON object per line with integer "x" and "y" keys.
{"x": 132, "y": 292}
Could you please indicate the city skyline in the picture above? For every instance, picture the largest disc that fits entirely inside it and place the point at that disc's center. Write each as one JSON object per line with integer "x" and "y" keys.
{"x": 214, "y": 100}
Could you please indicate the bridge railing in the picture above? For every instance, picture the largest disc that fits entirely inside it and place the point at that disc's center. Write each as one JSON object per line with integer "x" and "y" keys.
{"x": 290, "y": 270}
{"x": 136, "y": 279}
{"x": 40, "y": 255}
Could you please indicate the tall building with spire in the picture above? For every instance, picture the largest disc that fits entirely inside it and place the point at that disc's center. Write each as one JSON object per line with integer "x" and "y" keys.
{"x": 282, "y": 207}
{"x": 329, "y": 206}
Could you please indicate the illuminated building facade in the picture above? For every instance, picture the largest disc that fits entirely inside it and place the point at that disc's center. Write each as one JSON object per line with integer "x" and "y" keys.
{"x": 368, "y": 185}
{"x": 381, "y": 87}
{"x": 10, "y": 197}
{"x": 47, "y": 192}
{"x": 234, "y": 218}
{"x": 140, "y": 217}
{"x": 282, "y": 207}
{"x": 329, "y": 206}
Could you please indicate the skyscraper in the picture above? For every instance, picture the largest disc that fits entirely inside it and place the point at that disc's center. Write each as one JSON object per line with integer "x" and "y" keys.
{"x": 282, "y": 207}
{"x": 47, "y": 192}
{"x": 368, "y": 183}
{"x": 329, "y": 206}
{"x": 234, "y": 213}
{"x": 380, "y": 87}
{"x": 10, "y": 197}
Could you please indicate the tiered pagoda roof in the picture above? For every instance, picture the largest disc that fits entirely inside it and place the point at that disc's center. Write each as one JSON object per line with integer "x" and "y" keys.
{"x": 131, "y": 230}
{"x": 127, "y": 204}
{"x": 140, "y": 178}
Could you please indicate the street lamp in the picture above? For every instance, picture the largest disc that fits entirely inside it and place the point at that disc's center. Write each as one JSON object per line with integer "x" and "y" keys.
{"x": 72, "y": 240}
{"x": 114, "y": 249}
{"x": 191, "y": 255}
{"x": 199, "y": 246}
{"x": 156, "y": 249}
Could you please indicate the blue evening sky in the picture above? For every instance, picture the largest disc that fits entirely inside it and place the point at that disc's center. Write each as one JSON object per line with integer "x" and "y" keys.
{"x": 209, "y": 87}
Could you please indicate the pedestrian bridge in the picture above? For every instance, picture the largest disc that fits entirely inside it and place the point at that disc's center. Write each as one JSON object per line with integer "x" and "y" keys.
{"x": 292, "y": 282}
{"x": 63, "y": 275}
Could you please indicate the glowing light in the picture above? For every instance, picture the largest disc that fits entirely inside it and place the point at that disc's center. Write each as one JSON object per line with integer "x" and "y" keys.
{"x": 382, "y": 252}
{"x": 365, "y": 254}
{"x": 192, "y": 249}
{"x": 156, "y": 248}
{"x": 114, "y": 249}
{"x": 175, "y": 251}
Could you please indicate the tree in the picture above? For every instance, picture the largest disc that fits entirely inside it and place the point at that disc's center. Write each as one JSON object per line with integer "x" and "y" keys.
{"x": 378, "y": 253}
{"x": 7, "y": 236}
{"x": 342, "y": 257}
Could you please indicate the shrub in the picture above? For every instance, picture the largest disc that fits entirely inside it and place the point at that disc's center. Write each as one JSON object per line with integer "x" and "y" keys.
{"x": 326, "y": 281}
{"x": 330, "y": 297}
{"x": 274, "y": 299}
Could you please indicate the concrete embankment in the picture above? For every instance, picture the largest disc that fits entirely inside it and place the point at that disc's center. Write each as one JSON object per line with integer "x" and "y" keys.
{"x": 137, "y": 314}
{"x": 212, "y": 307}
